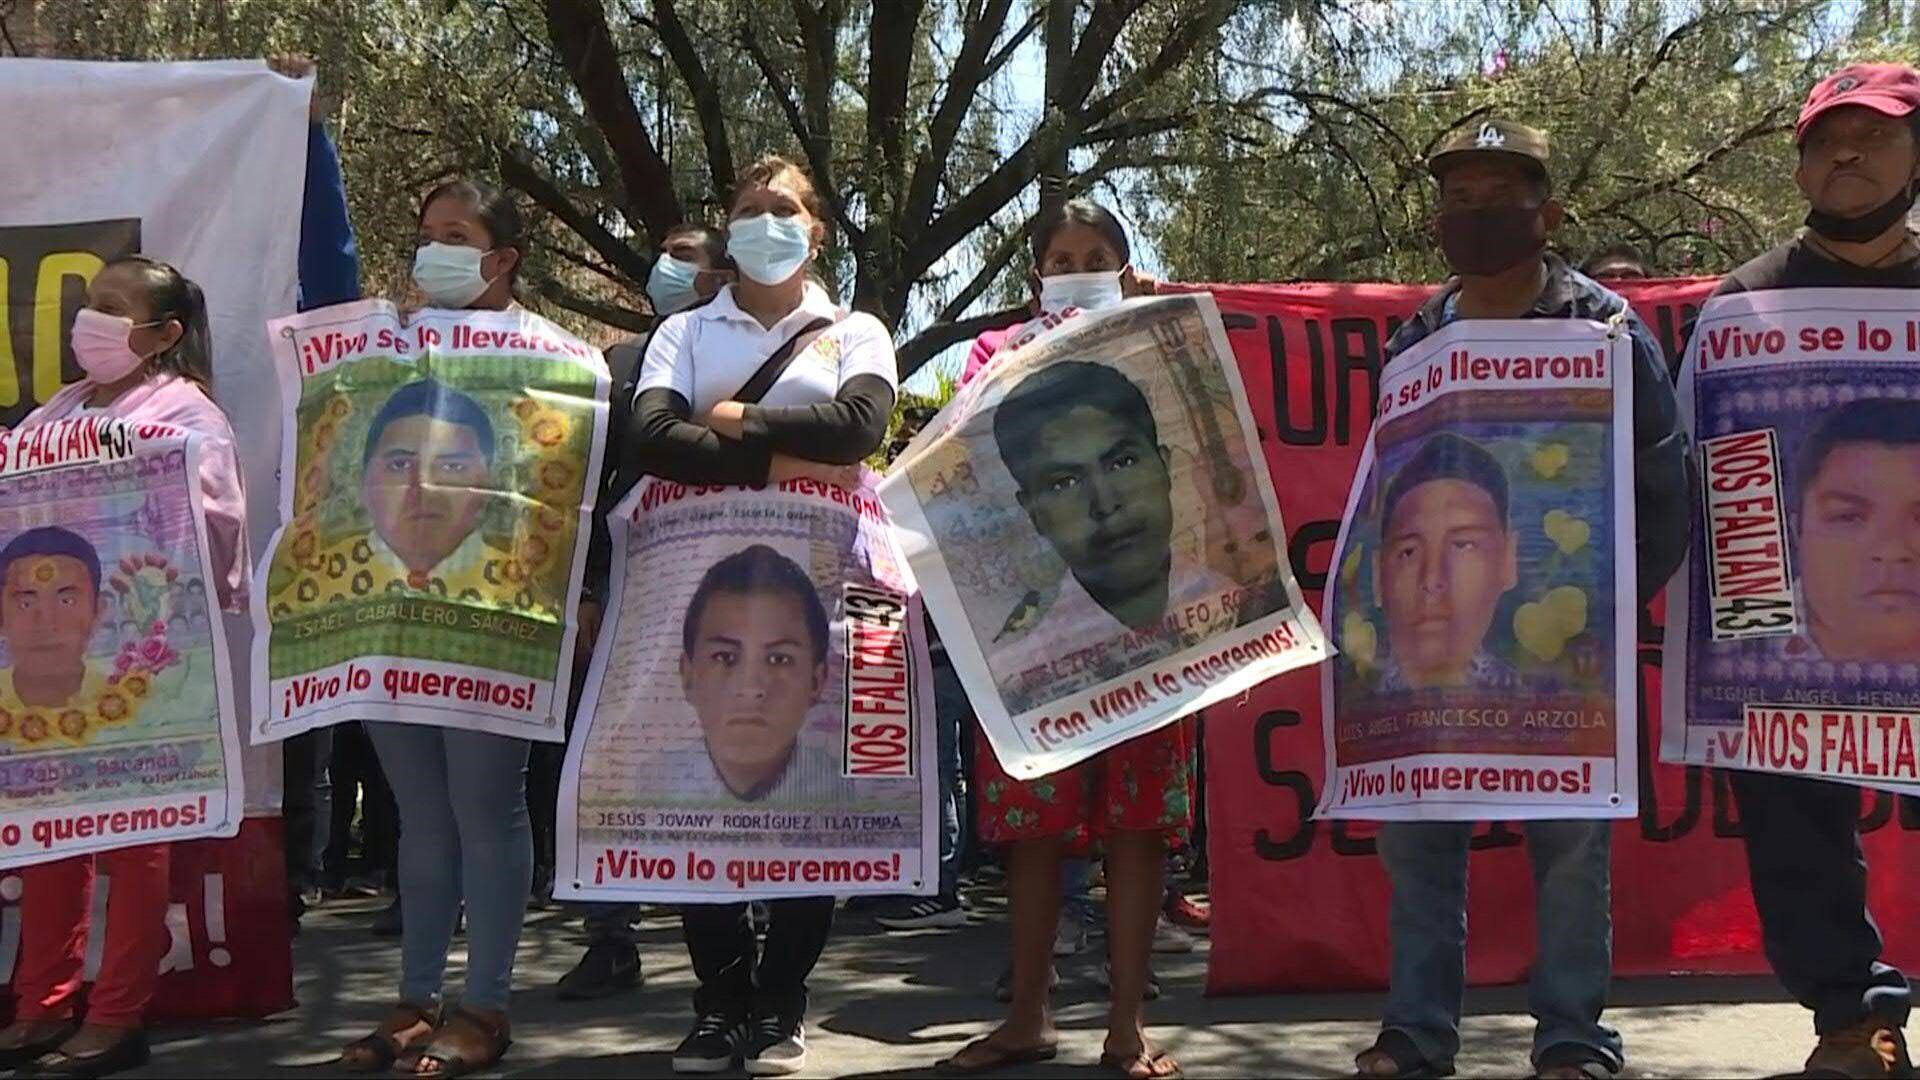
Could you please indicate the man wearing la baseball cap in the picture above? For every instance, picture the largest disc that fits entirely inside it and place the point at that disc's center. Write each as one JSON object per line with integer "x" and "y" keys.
{"x": 1859, "y": 162}
{"x": 1495, "y": 213}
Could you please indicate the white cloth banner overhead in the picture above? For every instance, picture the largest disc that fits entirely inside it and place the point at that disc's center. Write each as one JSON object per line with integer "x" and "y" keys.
{"x": 198, "y": 164}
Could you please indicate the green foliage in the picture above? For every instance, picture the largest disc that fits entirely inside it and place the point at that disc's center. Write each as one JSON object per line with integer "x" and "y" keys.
{"x": 1670, "y": 123}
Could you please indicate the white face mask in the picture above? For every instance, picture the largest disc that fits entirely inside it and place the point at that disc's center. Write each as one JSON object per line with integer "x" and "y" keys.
{"x": 1088, "y": 292}
{"x": 769, "y": 248}
{"x": 670, "y": 285}
{"x": 449, "y": 274}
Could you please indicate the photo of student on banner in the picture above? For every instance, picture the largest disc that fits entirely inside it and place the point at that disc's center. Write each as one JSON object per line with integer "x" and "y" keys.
{"x": 1477, "y": 580}
{"x": 1446, "y": 560}
{"x": 49, "y": 606}
{"x": 426, "y": 480}
{"x": 1085, "y": 454}
{"x": 754, "y": 658}
{"x": 1856, "y": 534}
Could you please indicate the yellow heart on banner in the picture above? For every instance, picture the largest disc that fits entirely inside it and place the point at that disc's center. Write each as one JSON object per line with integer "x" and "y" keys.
{"x": 1358, "y": 639}
{"x": 1549, "y": 459}
{"x": 1568, "y": 605}
{"x": 1567, "y": 532}
{"x": 1537, "y": 628}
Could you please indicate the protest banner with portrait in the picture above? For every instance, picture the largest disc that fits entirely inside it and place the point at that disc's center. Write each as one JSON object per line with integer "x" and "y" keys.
{"x": 757, "y": 720}
{"x": 1482, "y": 595}
{"x": 1793, "y": 641}
{"x": 116, "y": 707}
{"x": 1097, "y": 535}
{"x": 437, "y": 482}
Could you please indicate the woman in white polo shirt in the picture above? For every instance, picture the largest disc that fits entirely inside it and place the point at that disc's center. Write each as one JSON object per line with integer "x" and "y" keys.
{"x": 823, "y": 415}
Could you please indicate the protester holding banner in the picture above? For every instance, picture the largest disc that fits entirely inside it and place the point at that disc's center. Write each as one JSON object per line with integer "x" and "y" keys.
{"x": 462, "y": 793}
{"x": 1496, "y": 212}
{"x": 707, "y": 413}
{"x": 329, "y": 274}
{"x": 142, "y": 341}
{"x": 1135, "y": 799}
{"x": 1858, "y": 166}
{"x": 690, "y": 270}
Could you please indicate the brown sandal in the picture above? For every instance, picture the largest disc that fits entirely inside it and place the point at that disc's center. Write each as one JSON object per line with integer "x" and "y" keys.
{"x": 1145, "y": 1065}
{"x": 382, "y": 1047}
{"x": 993, "y": 1057}
{"x": 466, "y": 1042}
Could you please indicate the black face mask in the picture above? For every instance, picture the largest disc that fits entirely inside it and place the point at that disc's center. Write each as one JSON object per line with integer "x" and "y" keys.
{"x": 1867, "y": 226}
{"x": 1489, "y": 239}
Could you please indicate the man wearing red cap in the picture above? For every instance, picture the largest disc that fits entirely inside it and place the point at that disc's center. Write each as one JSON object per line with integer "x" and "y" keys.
{"x": 1859, "y": 164}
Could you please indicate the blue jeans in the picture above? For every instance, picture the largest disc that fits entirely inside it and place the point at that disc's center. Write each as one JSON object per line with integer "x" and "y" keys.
{"x": 950, "y": 715}
{"x": 464, "y": 833}
{"x": 1573, "y": 957}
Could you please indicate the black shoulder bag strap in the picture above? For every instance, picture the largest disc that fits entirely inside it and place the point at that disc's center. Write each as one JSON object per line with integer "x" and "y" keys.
{"x": 777, "y": 364}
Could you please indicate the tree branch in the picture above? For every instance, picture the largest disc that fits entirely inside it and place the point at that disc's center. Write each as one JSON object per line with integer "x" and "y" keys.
{"x": 936, "y": 339}
{"x": 580, "y": 35}
{"x": 706, "y": 97}
{"x": 818, "y": 152}
{"x": 637, "y": 322}
{"x": 520, "y": 173}
{"x": 970, "y": 69}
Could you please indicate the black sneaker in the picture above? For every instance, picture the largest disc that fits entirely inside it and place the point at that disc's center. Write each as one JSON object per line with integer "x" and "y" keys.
{"x": 388, "y": 923}
{"x": 712, "y": 1045}
{"x": 775, "y": 1047}
{"x": 608, "y": 968}
{"x": 922, "y": 913}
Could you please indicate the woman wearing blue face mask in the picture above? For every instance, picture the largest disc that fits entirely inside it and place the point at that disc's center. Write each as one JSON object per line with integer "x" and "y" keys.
{"x": 462, "y": 795}
{"x": 820, "y": 417}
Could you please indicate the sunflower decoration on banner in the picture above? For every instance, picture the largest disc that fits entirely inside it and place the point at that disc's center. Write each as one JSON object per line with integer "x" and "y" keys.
{"x": 144, "y": 585}
{"x": 543, "y": 539}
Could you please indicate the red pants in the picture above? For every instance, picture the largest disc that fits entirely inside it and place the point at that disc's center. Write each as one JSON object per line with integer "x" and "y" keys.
{"x": 55, "y": 901}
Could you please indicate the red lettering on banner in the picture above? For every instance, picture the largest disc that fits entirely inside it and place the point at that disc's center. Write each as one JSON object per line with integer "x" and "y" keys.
{"x": 879, "y": 686}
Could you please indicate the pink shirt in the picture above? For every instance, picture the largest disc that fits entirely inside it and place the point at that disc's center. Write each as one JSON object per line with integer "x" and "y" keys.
{"x": 984, "y": 346}
{"x": 171, "y": 399}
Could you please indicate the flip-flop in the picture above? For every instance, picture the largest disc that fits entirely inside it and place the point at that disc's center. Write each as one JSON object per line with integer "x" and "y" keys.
{"x": 1159, "y": 1065}
{"x": 1398, "y": 1048}
{"x": 1003, "y": 1058}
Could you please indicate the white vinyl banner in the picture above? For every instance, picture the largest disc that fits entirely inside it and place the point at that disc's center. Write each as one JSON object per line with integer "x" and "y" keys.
{"x": 198, "y": 164}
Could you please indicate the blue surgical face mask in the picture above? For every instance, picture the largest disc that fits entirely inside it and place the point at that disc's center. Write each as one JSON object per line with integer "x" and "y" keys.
{"x": 449, "y": 274}
{"x": 769, "y": 248}
{"x": 670, "y": 285}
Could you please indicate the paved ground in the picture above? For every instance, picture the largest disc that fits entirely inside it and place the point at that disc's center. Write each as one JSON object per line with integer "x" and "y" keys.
{"x": 892, "y": 1004}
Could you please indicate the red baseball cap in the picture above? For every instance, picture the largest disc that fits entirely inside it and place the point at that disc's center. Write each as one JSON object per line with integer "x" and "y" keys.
{"x": 1892, "y": 89}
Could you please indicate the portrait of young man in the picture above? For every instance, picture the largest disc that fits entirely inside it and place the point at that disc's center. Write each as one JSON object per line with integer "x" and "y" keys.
{"x": 426, "y": 479}
{"x": 753, "y": 663}
{"x": 49, "y": 606}
{"x": 1446, "y": 558}
{"x": 1856, "y": 534}
{"x": 1082, "y": 445}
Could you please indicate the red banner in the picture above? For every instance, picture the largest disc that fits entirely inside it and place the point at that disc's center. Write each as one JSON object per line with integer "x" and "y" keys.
{"x": 231, "y": 956}
{"x": 1300, "y": 905}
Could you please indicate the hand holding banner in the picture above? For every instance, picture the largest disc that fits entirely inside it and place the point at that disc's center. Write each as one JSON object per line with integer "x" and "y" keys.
{"x": 1794, "y": 644}
{"x": 1097, "y": 536}
{"x": 1483, "y": 584}
{"x": 437, "y": 482}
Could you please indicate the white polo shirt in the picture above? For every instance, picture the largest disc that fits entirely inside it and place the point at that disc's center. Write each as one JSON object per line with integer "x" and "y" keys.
{"x": 708, "y": 354}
